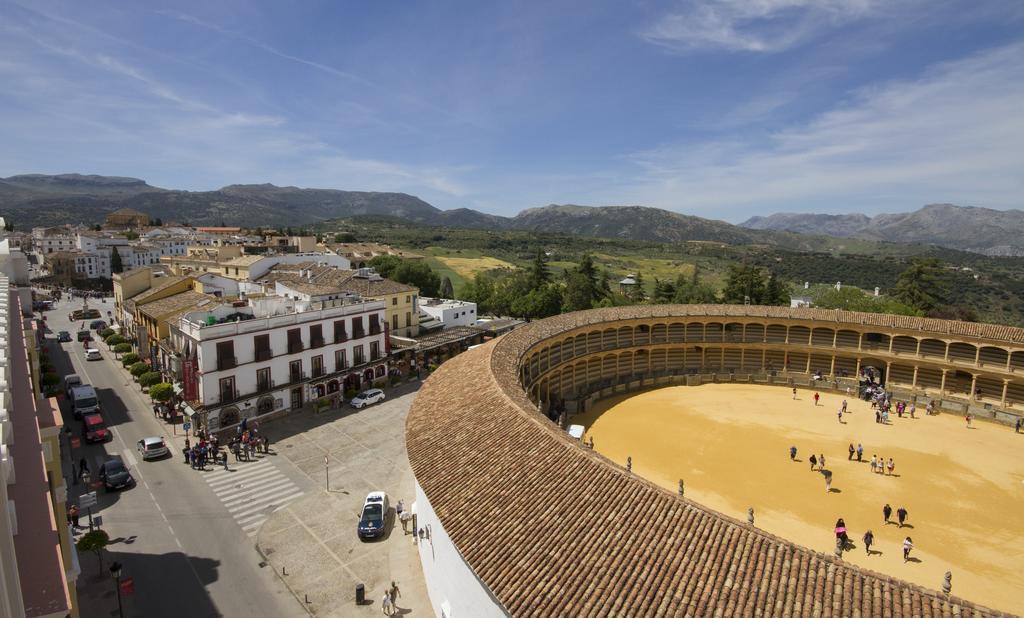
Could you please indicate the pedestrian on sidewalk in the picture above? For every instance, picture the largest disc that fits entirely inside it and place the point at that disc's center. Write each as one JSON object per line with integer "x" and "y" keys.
{"x": 395, "y": 593}
{"x": 73, "y": 515}
{"x": 887, "y": 512}
{"x": 901, "y": 515}
{"x": 869, "y": 538}
{"x": 814, "y": 461}
{"x": 399, "y": 508}
{"x": 908, "y": 544}
{"x": 385, "y": 603}
{"x": 83, "y": 467}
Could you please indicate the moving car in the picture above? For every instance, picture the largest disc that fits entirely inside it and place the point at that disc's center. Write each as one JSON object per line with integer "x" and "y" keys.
{"x": 374, "y": 515}
{"x": 152, "y": 448}
{"x": 367, "y": 397}
{"x": 93, "y": 354}
{"x": 63, "y": 336}
{"x": 115, "y": 475}
{"x": 84, "y": 335}
{"x": 97, "y": 325}
{"x": 83, "y": 400}
{"x": 94, "y": 429}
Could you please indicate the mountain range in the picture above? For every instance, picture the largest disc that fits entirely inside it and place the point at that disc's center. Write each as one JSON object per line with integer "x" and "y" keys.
{"x": 36, "y": 199}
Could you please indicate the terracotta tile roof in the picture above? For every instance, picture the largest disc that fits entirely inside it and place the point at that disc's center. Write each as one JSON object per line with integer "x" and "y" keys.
{"x": 165, "y": 283}
{"x": 177, "y": 303}
{"x": 329, "y": 279}
{"x": 555, "y": 529}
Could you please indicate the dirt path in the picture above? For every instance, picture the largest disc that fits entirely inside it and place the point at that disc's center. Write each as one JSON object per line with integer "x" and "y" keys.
{"x": 963, "y": 488}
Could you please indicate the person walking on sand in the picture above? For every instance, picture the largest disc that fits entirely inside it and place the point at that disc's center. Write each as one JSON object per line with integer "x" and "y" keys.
{"x": 968, "y": 419}
{"x": 908, "y": 544}
{"x": 860, "y": 452}
{"x": 395, "y": 593}
{"x": 852, "y": 451}
{"x": 901, "y": 515}
{"x": 839, "y": 414}
{"x": 816, "y": 398}
{"x": 887, "y": 512}
{"x": 844, "y": 406}
{"x": 913, "y": 408}
{"x": 891, "y": 466}
{"x": 792, "y": 453}
{"x": 794, "y": 393}
{"x": 828, "y": 480}
{"x": 1016, "y": 427}
{"x": 869, "y": 538}
{"x": 814, "y": 461}
{"x": 821, "y": 461}
{"x": 385, "y": 603}
{"x": 874, "y": 462}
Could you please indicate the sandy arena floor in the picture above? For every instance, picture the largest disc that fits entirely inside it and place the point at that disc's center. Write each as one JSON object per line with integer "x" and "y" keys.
{"x": 963, "y": 488}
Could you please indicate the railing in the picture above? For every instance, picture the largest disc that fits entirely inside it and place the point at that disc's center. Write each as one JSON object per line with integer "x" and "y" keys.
{"x": 294, "y": 347}
{"x": 340, "y": 338}
{"x": 264, "y": 354}
{"x": 297, "y": 376}
{"x": 226, "y": 362}
{"x": 358, "y": 360}
{"x": 264, "y": 386}
{"x": 317, "y": 342}
{"x": 318, "y": 371}
{"x": 358, "y": 334}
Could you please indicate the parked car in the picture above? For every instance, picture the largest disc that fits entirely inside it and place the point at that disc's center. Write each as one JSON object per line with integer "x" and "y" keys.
{"x": 97, "y": 325}
{"x": 152, "y": 448}
{"x": 115, "y": 475}
{"x": 83, "y": 399}
{"x": 367, "y": 397}
{"x": 71, "y": 381}
{"x": 87, "y": 314}
{"x": 374, "y": 515}
{"x": 93, "y": 354}
{"x": 84, "y": 335}
{"x": 94, "y": 429}
{"x": 63, "y": 336}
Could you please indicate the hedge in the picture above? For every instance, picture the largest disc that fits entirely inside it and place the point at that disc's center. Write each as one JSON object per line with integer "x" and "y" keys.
{"x": 129, "y": 359}
{"x": 161, "y": 391}
{"x": 138, "y": 369}
{"x": 149, "y": 378}
{"x": 115, "y": 340}
{"x": 123, "y": 348}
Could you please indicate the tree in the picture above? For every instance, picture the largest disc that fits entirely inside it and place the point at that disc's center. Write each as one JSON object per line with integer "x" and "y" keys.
{"x": 130, "y": 358}
{"x": 540, "y": 302}
{"x": 664, "y": 291}
{"x": 149, "y": 378}
{"x": 138, "y": 369}
{"x": 344, "y": 237}
{"x": 418, "y": 273}
{"x": 775, "y": 292}
{"x": 94, "y": 541}
{"x": 159, "y": 222}
{"x": 161, "y": 392}
{"x": 921, "y": 285}
{"x": 106, "y": 332}
{"x": 539, "y": 274}
{"x": 385, "y": 265}
{"x": 691, "y": 290}
{"x": 578, "y": 292}
{"x": 124, "y": 348}
{"x": 114, "y": 339}
{"x": 50, "y": 380}
{"x": 447, "y": 290}
{"x": 479, "y": 290}
{"x": 744, "y": 284}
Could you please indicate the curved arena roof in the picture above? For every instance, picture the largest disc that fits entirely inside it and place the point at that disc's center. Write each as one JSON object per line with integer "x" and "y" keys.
{"x": 555, "y": 529}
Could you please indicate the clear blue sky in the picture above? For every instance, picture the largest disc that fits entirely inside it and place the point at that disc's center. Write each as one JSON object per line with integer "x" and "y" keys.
{"x": 722, "y": 109}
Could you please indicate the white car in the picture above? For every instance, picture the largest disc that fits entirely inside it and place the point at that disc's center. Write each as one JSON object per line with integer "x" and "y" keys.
{"x": 93, "y": 354}
{"x": 152, "y": 448}
{"x": 365, "y": 398}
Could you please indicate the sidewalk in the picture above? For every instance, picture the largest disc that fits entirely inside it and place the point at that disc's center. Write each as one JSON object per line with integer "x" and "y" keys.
{"x": 312, "y": 543}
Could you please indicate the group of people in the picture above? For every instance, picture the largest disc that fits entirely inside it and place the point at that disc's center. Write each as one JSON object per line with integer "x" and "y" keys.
{"x": 389, "y": 604}
{"x": 843, "y": 538}
{"x": 880, "y": 466}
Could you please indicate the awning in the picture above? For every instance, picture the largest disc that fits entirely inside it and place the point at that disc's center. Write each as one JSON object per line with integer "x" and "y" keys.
{"x": 187, "y": 410}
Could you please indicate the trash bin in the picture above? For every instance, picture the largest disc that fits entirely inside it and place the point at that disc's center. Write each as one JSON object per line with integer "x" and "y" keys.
{"x": 360, "y": 594}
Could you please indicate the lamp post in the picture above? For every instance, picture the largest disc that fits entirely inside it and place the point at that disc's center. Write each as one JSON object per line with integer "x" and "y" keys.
{"x": 115, "y": 572}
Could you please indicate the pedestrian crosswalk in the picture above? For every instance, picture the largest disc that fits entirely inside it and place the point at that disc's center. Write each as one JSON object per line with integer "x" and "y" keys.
{"x": 252, "y": 491}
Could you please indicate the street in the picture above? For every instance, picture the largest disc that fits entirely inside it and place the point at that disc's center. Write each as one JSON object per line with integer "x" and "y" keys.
{"x": 188, "y": 549}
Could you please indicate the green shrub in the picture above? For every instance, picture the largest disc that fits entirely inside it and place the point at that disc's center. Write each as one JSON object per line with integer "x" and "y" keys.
{"x": 123, "y": 348}
{"x": 106, "y": 332}
{"x": 381, "y": 383}
{"x": 129, "y": 359}
{"x": 138, "y": 369}
{"x": 115, "y": 340}
{"x": 161, "y": 391}
{"x": 149, "y": 378}
{"x": 350, "y": 393}
{"x": 50, "y": 381}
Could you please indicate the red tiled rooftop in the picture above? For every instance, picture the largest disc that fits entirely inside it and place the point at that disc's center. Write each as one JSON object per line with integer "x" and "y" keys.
{"x": 37, "y": 546}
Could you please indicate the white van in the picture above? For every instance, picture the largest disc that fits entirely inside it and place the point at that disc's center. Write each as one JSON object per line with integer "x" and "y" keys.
{"x": 84, "y": 401}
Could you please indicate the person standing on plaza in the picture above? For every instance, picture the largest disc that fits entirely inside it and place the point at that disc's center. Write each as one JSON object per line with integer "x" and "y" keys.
{"x": 891, "y": 467}
{"x": 821, "y": 461}
{"x": 860, "y": 452}
{"x": 968, "y": 419}
{"x": 1016, "y": 427}
{"x": 816, "y": 398}
{"x": 913, "y": 408}
{"x": 874, "y": 462}
{"x": 792, "y": 453}
{"x": 844, "y": 406}
{"x": 395, "y": 593}
{"x": 908, "y": 544}
{"x": 828, "y": 480}
{"x": 839, "y": 414}
{"x": 814, "y": 461}
{"x": 869, "y": 539}
{"x": 887, "y": 512}
{"x": 794, "y": 393}
{"x": 385, "y": 603}
{"x": 901, "y": 515}
{"x": 852, "y": 451}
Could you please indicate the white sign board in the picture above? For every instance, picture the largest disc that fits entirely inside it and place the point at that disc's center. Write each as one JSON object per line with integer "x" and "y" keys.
{"x": 86, "y": 500}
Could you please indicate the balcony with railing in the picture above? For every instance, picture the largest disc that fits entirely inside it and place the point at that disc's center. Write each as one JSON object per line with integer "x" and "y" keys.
{"x": 264, "y": 354}
{"x": 263, "y": 386}
{"x": 316, "y": 342}
{"x": 294, "y": 347}
{"x": 226, "y": 362}
{"x": 296, "y": 375}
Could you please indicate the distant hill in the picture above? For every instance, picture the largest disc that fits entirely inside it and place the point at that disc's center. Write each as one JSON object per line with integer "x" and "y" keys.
{"x": 78, "y": 184}
{"x": 968, "y": 228}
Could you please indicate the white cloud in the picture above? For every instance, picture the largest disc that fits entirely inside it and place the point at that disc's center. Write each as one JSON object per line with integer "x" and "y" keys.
{"x": 953, "y": 134}
{"x": 751, "y": 25}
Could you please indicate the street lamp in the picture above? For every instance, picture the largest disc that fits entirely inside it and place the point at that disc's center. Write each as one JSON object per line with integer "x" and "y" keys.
{"x": 115, "y": 572}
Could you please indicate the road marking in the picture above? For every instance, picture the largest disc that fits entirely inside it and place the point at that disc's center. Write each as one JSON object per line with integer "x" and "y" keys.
{"x": 129, "y": 459}
{"x": 252, "y": 492}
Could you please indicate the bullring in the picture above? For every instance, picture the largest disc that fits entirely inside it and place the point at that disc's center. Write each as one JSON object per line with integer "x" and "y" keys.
{"x": 516, "y": 518}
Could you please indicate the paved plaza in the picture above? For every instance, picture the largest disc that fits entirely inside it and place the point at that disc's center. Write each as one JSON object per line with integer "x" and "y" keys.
{"x": 311, "y": 543}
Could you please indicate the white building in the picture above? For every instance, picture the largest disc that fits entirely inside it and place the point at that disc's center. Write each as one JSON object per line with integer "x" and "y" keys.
{"x": 449, "y": 312}
{"x": 267, "y": 354}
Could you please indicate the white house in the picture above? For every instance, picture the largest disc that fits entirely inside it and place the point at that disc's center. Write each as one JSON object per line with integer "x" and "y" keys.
{"x": 449, "y": 312}
{"x": 261, "y": 355}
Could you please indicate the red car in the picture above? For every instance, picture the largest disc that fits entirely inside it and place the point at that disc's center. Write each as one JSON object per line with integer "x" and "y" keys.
{"x": 94, "y": 429}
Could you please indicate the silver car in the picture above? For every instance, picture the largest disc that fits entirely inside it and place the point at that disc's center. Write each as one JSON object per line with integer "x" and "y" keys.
{"x": 152, "y": 448}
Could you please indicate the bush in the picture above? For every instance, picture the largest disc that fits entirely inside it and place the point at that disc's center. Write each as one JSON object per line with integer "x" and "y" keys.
{"x": 113, "y": 340}
{"x": 106, "y": 332}
{"x": 350, "y": 393}
{"x": 160, "y": 392}
{"x": 129, "y": 359}
{"x": 138, "y": 369}
{"x": 50, "y": 380}
{"x": 149, "y": 378}
{"x": 124, "y": 348}
{"x": 381, "y": 383}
